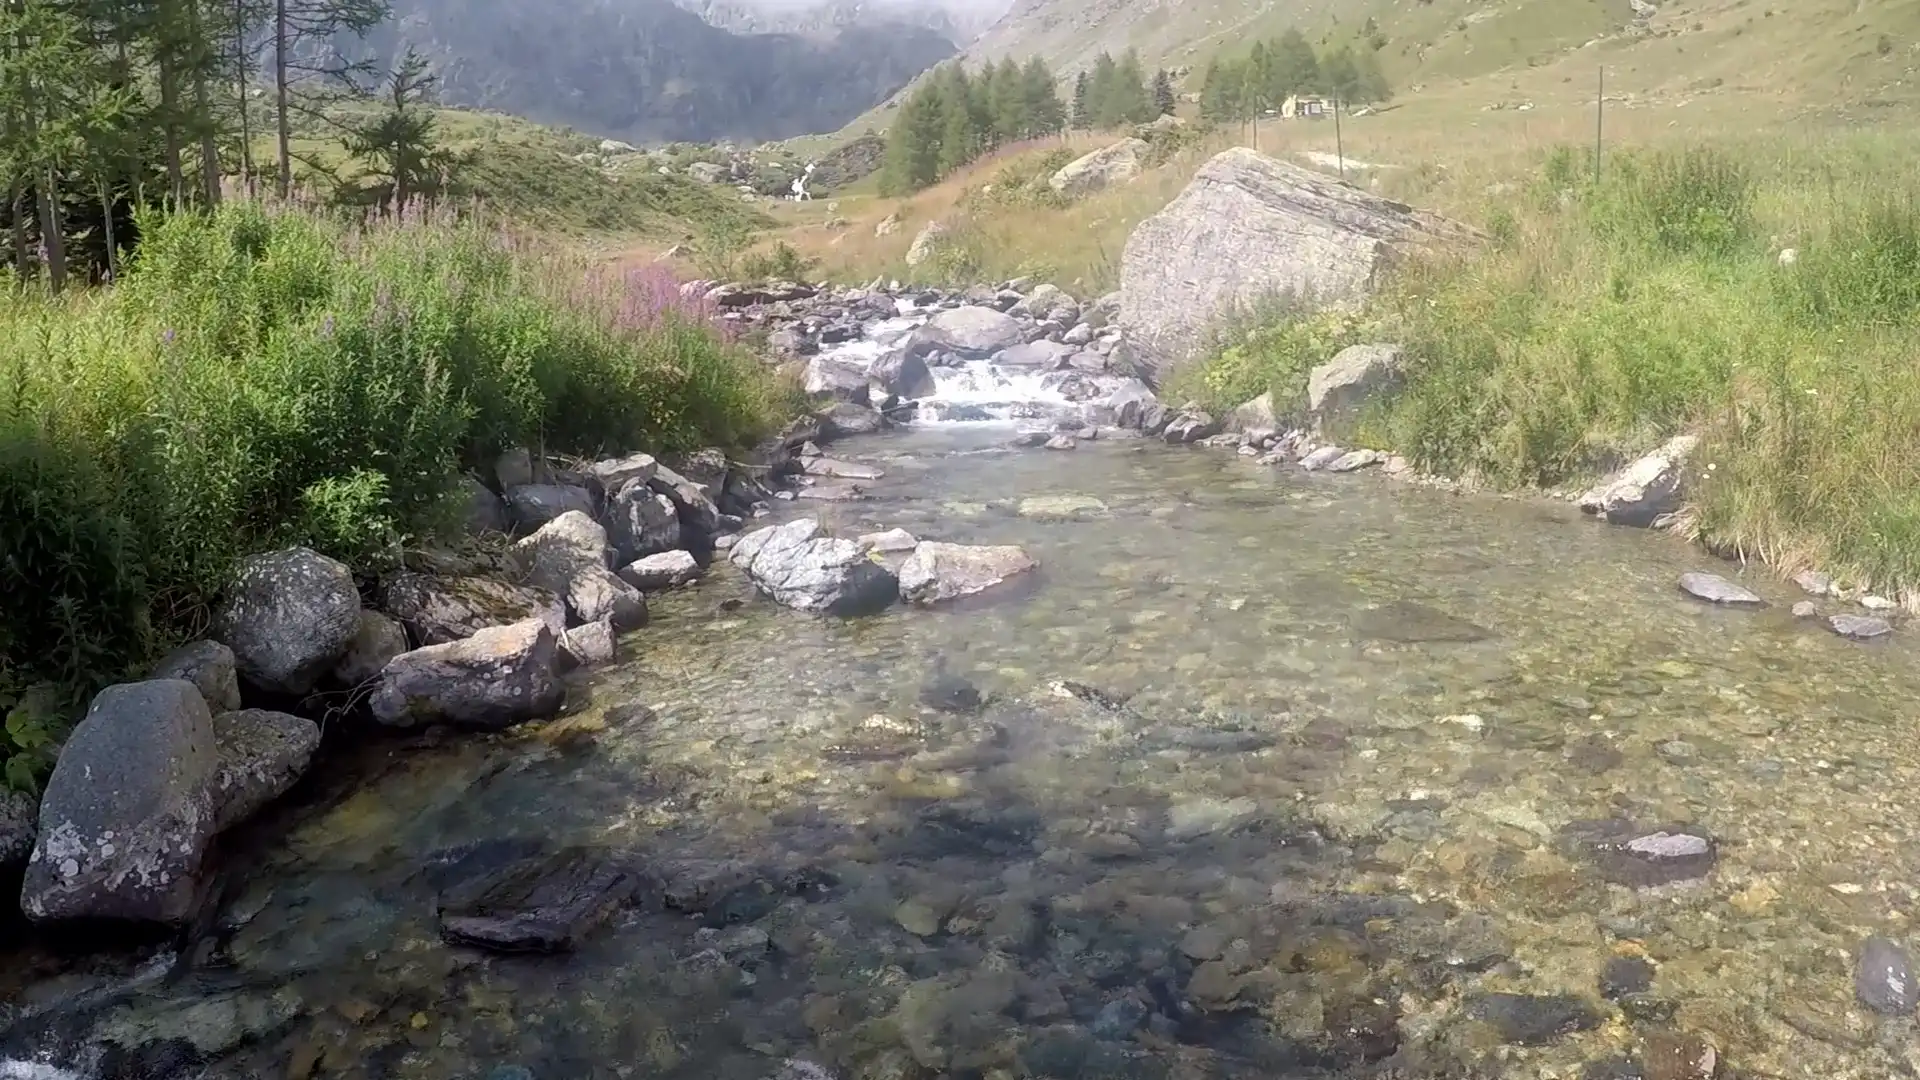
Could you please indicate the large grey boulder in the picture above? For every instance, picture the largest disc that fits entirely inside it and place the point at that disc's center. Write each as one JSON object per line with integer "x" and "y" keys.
{"x": 844, "y": 419}
{"x": 666, "y": 570}
{"x": 437, "y": 610}
{"x": 569, "y": 557}
{"x": 1045, "y": 355}
{"x": 1126, "y": 405}
{"x": 533, "y": 505}
{"x": 589, "y": 645}
{"x": 1645, "y": 491}
{"x": 832, "y": 377}
{"x": 129, "y": 810}
{"x": 1049, "y": 302}
{"x": 486, "y": 512}
{"x": 1254, "y": 414}
{"x": 640, "y": 522}
{"x": 260, "y": 755}
{"x": 616, "y": 473}
{"x": 1249, "y": 231}
{"x": 19, "y": 822}
{"x": 501, "y": 676}
{"x": 937, "y": 571}
{"x": 288, "y": 617}
{"x": 974, "y": 332}
{"x": 208, "y": 665}
{"x": 798, "y": 567}
{"x": 902, "y": 374}
{"x": 926, "y": 243}
{"x": 1103, "y": 168}
{"x": 379, "y": 639}
{"x": 1354, "y": 378}
{"x": 692, "y": 498}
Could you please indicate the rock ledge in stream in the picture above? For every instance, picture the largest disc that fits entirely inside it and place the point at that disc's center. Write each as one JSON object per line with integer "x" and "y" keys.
{"x": 806, "y": 571}
{"x": 128, "y": 811}
{"x": 937, "y": 572}
{"x": 1715, "y": 589}
{"x": 501, "y": 676}
{"x": 544, "y": 903}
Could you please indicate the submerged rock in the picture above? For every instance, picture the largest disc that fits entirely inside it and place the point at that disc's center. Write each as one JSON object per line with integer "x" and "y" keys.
{"x": 1624, "y": 976}
{"x": 288, "y": 617}
{"x": 438, "y": 610}
{"x": 840, "y": 470}
{"x": 937, "y": 572}
{"x": 1645, "y": 491}
{"x": 1860, "y": 627}
{"x": 498, "y": 677}
{"x": 1534, "y": 1020}
{"x": 1409, "y": 622}
{"x": 804, "y": 570}
{"x": 950, "y": 693}
{"x": 1627, "y": 854}
{"x": 1883, "y": 978}
{"x": 1673, "y": 1055}
{"x": 129, "y": 810}
{"x": 208, "y": 665}
{"x": 261, "y": 755}
{"x": 1715, "y": 589}
{"x": 542, "y": 903}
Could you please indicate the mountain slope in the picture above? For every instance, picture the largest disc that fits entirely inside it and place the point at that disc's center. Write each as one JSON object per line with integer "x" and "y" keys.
{"x": 646, "y": 70}
{"x": 959, "y": 21}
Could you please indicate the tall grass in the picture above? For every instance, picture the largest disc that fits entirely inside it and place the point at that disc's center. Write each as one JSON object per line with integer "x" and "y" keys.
{"x": 1606, "y": 317}
{"x": 262, "y": 377}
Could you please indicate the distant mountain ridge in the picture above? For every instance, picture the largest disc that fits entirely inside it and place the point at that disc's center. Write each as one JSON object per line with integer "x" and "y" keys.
{"x": 649, "y": 71}
{"x": 959, "y": 21}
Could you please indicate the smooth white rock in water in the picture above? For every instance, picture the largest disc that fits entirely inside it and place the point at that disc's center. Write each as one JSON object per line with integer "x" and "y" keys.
{"x": 937, "y": 571}
{"x": 1718, "y": 590}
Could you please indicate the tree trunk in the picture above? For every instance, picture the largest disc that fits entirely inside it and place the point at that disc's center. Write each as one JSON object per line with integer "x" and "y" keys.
{"x": 280, "y": 46}
{"x": 170, "y": 114}
{"x": 16, "y": 205}
{"x": 244, "y": 73}
{"x": 203, "y": 107}
{"x": 50, "y": 237}
{"x": 106, "y": 220}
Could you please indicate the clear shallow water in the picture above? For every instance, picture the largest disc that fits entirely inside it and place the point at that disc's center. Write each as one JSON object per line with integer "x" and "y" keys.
{"x": 1325, "y": 824}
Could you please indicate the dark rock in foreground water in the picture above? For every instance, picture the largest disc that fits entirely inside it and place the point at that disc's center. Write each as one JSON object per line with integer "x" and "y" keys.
{"x": 1532, "y": 1020}
{"x": 1860, "y": 627}
{"x": 1625, "y": 975}
{"x": 543, "y": 903}
{"x": 1715, "y": 589}
{"x": 1678, "y": 1056}
{"x": 950, "y": 693}
{"x": 1883, "y": 978}
{"x": 1407, "y": 622}
{"x": 1627, "y": 854}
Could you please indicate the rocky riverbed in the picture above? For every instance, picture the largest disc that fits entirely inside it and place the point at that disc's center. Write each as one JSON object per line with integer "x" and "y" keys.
{"x": 1253, "y": 771}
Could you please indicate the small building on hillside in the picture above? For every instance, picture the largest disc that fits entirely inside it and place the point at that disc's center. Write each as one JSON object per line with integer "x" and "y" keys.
{"x": 1305, "y": 106}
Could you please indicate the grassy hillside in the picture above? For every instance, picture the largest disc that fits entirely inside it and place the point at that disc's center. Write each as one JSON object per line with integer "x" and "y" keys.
{"x": 548, "y": 178}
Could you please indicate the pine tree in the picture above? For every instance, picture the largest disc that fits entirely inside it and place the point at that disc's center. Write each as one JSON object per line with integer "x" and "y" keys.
{"x": 1133, "y": 102}
{"x": 1220, "y": 93}
{"x": 1164, "y": 101}
{"x": 1296, "y": 70}
{"x": 1340, "y": 76}
{"x": 913, "y": 143}
{"x": 1045, "y": 111}
{"x": 398, "y": 143}
{"x": 1103, "y": 93}
{"x": 1011, "y": 118}
{"x": 960, "y": 137}
{"x": 1082, "y": 116}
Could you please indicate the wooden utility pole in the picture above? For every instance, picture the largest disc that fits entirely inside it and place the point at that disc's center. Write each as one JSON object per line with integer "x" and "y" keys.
{"x": 1599, "y": 122}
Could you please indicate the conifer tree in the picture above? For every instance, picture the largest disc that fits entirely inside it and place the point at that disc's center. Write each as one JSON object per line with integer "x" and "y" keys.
{"x": 1082, "y": 117}
{"x": 1164, "y": 101}
{"x": 1045, "y": 111}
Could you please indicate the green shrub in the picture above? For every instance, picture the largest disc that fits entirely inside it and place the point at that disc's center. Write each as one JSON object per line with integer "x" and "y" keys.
{"x": 260, "y": 378}
{"x": 779, "y": 263}
{"x": 1697, "y": 200}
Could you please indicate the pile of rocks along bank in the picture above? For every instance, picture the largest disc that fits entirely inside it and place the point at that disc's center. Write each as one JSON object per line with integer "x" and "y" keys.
{"x": 158, "y": 768}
